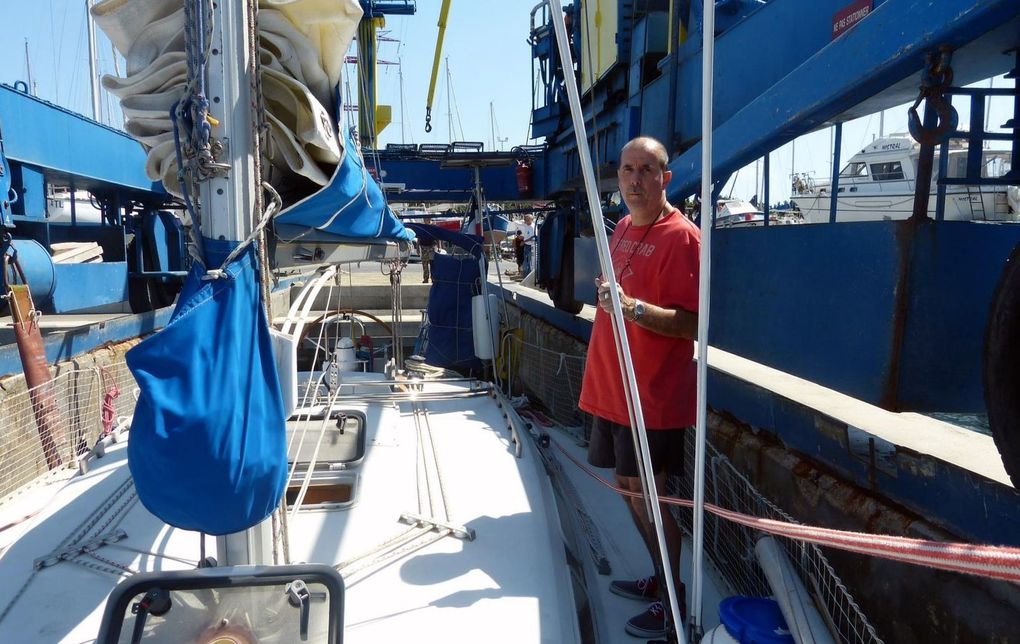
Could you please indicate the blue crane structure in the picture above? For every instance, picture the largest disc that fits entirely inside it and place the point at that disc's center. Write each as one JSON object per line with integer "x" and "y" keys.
{"x": 143, "y": 253}
{"x": 908, "y": 315}
{"x": 915, "y": 315}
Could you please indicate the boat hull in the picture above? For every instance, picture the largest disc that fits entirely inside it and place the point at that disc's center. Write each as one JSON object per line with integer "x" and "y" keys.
{"x": 897, "y": 204}
{"x": 867, "y": 329}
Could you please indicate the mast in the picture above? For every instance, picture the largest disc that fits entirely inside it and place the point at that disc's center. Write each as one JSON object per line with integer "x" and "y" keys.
{"x": 228, "y": 198}
{"x": 492, "y": 124}
{"x": 449, "y": 100}
{"x": 230, "y": 195}
{"x": 403, "y": 119}
{"x": 90, "y": 26}
{"x": 28, "y": 71}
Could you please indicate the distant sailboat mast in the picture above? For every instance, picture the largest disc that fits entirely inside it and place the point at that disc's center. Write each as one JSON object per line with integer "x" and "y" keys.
{"x": 492, "y": 124}
{"x": 93, "y": 71}
{"x": 28, "y": 71}
{"x": 403, "y": 119}
{"x": 449, "y": 101}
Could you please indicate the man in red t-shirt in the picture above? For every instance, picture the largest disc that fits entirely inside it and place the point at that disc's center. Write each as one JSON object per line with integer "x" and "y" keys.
{"x": 655, "y": 254}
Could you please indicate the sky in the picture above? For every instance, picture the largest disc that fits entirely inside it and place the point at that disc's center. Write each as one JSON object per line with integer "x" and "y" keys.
{"x": 490, "y": 74}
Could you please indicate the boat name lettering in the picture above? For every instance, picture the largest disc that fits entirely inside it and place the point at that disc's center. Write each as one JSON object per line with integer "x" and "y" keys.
{"x": 849, "y": 16}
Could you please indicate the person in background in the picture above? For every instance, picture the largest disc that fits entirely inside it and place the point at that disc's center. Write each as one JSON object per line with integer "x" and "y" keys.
{"x": 528, "y": 231}
{"x": 654, "y": 253}
{"x": 519, "y": 251}
{"x": 427, "y": 249}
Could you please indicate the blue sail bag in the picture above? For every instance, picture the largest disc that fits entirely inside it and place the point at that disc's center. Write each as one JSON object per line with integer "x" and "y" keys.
{"x": 208, "y": 444}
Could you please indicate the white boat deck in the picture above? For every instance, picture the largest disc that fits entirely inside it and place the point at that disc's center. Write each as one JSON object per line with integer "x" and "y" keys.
{"x": 626, "y": 553}
{"x": 511, "y": 583}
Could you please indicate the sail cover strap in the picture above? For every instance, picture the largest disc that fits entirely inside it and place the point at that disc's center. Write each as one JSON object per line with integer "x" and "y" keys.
{"x": 207, "y": 449}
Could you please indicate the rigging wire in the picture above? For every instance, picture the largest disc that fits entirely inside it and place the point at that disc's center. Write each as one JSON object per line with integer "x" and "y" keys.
{"x": 620, "y": 332}
{"x": 704, "y": 304}
{"x": 453, "y": 103}
{"x": 76, "y": 72}
{"x": 56, "y": 59}
{"x": 591, "y": 70}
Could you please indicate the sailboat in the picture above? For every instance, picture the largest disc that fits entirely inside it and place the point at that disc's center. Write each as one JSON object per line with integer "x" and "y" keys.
{"x": 417, "y": 502}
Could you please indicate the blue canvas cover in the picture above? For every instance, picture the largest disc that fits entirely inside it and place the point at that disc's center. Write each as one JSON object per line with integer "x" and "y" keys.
{"x": 448, "y": 340}
{"x": 349, "y": 207}
{"x": 448, "y": 335}
{"x": 208, "y": 448}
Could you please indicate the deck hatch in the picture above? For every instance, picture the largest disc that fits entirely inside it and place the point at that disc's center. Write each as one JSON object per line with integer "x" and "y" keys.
{"x": 343, "y": 439}
{"x": 326, "y": 490}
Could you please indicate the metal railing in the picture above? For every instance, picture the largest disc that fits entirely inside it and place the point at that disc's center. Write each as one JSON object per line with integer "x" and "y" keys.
{"x": 555, "y": 378}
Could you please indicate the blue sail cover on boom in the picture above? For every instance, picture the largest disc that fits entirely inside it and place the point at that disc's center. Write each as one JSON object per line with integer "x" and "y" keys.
{"x": 350, "y": 207}
{"x": 208, "y": 449}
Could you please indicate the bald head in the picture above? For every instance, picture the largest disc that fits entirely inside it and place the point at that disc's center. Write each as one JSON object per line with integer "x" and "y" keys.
{"x": 652, "y": 146}
{"x": 643, "y": 176}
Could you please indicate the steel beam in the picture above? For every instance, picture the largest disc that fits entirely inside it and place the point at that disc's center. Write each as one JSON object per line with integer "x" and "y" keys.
{"x": 877, "y": 59}
{"x": 47, "y": 136}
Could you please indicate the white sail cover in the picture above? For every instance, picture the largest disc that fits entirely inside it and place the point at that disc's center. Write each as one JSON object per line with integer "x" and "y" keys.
{"x": 302, "y": 44}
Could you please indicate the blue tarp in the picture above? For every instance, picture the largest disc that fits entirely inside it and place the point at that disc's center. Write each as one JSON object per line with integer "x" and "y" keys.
{"x": 427, "y": 232}
{"x": 350, "y": 207}
{"x": 208, "y": 448}
{"x": 448, "y": 339}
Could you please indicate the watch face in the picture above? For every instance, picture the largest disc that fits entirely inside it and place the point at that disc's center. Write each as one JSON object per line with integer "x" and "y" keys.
{"x": 639, "y": 309}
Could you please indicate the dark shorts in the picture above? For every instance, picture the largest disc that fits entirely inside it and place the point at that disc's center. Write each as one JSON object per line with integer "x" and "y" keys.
{"x": 612, "y": 445}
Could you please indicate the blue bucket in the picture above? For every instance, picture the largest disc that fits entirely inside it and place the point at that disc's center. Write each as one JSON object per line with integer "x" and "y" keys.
{"x": 753, "y": 620}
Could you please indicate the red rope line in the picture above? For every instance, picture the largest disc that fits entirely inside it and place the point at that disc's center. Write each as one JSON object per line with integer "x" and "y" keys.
{"x": 994, "y": 562}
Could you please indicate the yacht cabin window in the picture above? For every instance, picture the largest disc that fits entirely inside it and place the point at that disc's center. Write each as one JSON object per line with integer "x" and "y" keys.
{"x": 888, "y": 171}
{"x": 855, "y": 169}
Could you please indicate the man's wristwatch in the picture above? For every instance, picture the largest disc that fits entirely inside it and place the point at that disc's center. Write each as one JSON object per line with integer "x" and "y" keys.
{"x": 639, "y": 310}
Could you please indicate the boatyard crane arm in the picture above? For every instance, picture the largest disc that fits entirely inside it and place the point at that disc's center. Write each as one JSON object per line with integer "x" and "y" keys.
{"x": 443, "y": 13}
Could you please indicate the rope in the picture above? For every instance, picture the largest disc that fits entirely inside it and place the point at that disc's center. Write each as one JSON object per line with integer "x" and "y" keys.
{"x": 993, "y": 562}
{"x": 109, "y": 412}
{"x": 267, "y": 216}
{"x": 434, "y": 504}
{"x": 260, "y": 136}
{"x": 80, "y": 536}
{"x": 306, "y": 482}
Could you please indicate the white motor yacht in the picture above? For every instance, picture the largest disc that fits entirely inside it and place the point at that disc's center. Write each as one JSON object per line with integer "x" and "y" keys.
{"x": 878, "y": 184}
